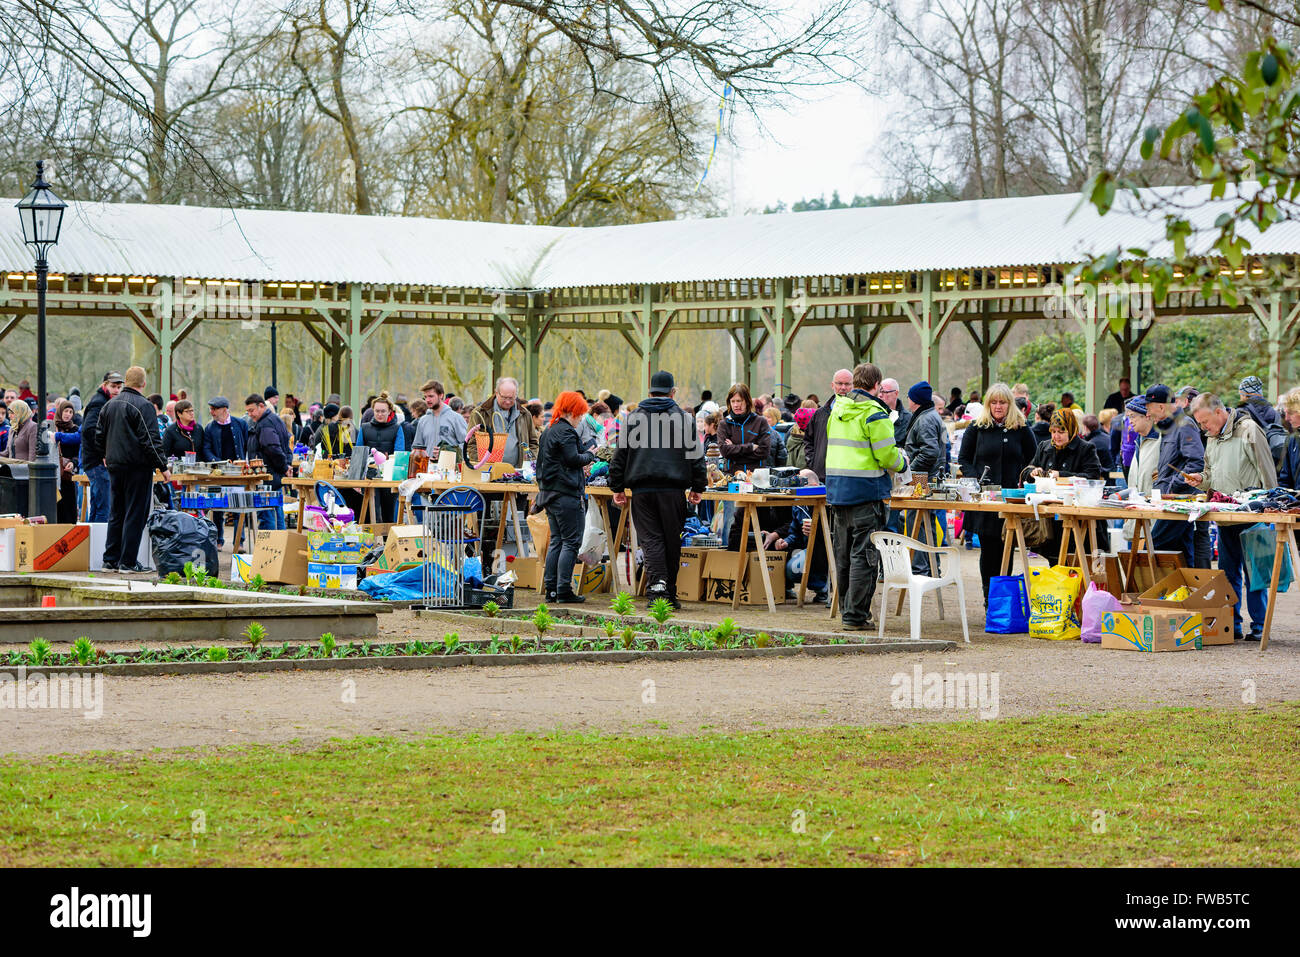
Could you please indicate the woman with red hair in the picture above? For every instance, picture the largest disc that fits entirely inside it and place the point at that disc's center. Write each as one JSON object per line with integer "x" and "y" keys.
{"x": 560, "y": 458}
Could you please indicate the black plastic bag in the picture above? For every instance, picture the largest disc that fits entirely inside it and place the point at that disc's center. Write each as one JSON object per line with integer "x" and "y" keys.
{"x": 179, "y": 537}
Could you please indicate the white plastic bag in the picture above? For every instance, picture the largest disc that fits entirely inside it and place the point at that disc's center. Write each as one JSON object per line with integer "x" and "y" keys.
{"x": 593, "y": 536}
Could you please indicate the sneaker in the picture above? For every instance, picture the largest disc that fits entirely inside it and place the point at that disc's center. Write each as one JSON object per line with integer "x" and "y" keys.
{"x": 677, "y": 605}
{"x": 1253, "y": 636}
{"x": 112, "y": 567}
{"x": 658, "y": 590}
{"x": 134, "y": 568}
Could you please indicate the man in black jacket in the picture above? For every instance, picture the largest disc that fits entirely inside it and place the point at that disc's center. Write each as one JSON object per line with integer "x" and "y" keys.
{"x": 92, "y": 451}
{"x": 815, "y": 442}
{"x": 659, "y": 456}
{"x": 127, "y": 432}
{"x": 268, "y": 440}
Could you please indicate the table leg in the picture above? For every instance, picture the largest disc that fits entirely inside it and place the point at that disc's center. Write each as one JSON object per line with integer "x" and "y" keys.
{"x": 1024, "y": 552}
{"x": 762, "y": 563}
{"x": 1008, "y": 543}
{"x": 85, "y": 504}
{"x": 602, "y": 506}
{"x": 831, "y": 571}
{"x": 1151, "y": 549}
{"x": 1279, "y": 555}
{"x": 239, "y": 531}
{"x": 519, "y": 534}
{"x": 807, "y": 558}
{"x": 1081, "y": 548}
{"x": 744, "y": 555}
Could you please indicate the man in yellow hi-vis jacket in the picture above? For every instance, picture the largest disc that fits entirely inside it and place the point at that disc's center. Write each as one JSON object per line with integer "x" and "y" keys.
{"x": 860, "y": 455}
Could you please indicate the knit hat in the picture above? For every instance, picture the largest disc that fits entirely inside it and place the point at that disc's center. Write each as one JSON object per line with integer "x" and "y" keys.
{"x": 921, "y": 394}
{"x": 330, "y": 410}
{"x": 803, "y": 418}
{"x": 1160, "y": 393}
{"x": 1138, "y": 404}
{"x": 1187, "y": 391}
{"x": 269, "y": 391}
{"x": 1251, "y": 387}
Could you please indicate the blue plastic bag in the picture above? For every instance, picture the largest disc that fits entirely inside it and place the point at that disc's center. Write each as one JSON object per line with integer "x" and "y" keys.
{"x": 1257, "y": 544}
{"x": 408, "y": 584}
{"x": 1008, "y": 611}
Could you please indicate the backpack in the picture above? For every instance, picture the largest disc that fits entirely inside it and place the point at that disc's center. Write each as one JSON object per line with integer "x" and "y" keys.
{"x": 1277, "y": 437}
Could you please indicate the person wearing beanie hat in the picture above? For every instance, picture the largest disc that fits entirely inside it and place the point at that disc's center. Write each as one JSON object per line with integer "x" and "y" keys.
{"x": 272, "y": 395}
{"x": 926, "y": 446}
{"x": 1251, "y": 391}
{"x": 1181, "y": 453}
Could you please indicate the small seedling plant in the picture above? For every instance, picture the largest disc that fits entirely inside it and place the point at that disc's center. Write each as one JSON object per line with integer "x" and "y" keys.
{"x": 543, "y": 621}
{"x": 661, "y": 609}
{"x": 38, "y": 651}
{"x": 254, "y": 634}
{"x": 621, "y": 604}
{"x": 218, "y": 653}
{"x": 83, "y": 650}
{"x": 491, "y": 609}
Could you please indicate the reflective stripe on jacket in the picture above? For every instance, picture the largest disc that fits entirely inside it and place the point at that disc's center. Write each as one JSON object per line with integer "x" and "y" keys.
{"x": 860, "y": 450}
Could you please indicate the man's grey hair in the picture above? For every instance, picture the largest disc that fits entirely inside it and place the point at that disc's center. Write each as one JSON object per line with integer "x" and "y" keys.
{"x": 1208, "y": 401}
{"x": 889, "y": 383}
{"x": 503, "y": 380}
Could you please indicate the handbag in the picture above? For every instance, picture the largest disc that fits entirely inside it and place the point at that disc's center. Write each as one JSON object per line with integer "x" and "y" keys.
{"x": 1008, "y": 611}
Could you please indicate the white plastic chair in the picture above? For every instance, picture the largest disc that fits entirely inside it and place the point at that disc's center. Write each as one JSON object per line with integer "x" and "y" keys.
{"x": 895, "y": 554}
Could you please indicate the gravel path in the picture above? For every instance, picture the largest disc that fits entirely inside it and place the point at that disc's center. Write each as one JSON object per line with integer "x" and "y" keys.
{"x": 1033, "y": 677}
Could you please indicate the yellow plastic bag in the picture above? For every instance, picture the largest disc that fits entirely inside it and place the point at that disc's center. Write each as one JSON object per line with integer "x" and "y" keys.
{"x": 1052, "y": 593}
{"x": 1178, "y": 594}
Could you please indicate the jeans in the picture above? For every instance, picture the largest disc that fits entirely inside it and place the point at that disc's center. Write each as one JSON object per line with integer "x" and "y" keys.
{"x": 857, "y": 563}
{"x": 1231, "y": 563}
{"x": 1172, "y": 535}
{"x": 565, "y": 516}
{"x": 272, "y": 518}
{"x": 101, "y": 495}
{"x": 1202, "y": 548}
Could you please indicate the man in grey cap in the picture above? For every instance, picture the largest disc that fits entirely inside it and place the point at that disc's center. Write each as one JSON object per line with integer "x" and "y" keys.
{"x": 92, "y": 452}
{"x": 1181, "y": 453}
{"x": 659, "y": 457}
{"x": 224, "y": 439}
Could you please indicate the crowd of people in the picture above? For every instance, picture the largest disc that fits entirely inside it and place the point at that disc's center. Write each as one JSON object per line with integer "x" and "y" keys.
{"x": 865, "y": 432}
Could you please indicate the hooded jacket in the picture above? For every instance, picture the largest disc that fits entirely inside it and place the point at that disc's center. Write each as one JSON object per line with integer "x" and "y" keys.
{"x": 659, "y": 450}
{"x": 860, "y": 450}
{"x": 1180, "y": 449}
{"x": 1238, "y": 458}
{"x": 926, "y": 442}
{"x": 744, "y": 442}
{"x": 92, "y": 450}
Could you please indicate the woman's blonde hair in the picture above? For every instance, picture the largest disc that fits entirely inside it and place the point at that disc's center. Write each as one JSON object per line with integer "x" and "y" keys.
{"x": 1104, "y": 417}
{"x": 1000, "y": 390}
{"x": 1291, "y": 401}
{"x": 772, "y": 414}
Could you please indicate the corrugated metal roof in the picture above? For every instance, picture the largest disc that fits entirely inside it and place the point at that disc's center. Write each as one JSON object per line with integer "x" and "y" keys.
{"x": 209, "y": 243}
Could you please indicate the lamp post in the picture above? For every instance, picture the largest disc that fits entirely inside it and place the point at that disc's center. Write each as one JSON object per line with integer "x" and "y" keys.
{"x": 41, "y": 215}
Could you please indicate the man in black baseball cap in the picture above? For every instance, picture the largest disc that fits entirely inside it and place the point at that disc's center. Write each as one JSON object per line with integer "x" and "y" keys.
{"x": 92, "y": 449}
{"x": 1181, "y": 453}
{"x": 659, "y": 457}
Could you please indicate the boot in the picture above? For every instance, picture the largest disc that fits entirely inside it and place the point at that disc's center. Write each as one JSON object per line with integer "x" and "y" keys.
{"x": 569, "y": 597}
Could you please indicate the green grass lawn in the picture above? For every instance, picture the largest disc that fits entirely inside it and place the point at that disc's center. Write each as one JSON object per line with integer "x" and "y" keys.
{"x": 1184, "y": 787}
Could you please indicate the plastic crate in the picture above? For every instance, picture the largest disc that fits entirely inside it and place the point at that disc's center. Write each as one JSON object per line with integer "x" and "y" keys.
{"x": 204, "y": 501}
{"x": 268, "y": 499}
{"x": 478, "y": 597}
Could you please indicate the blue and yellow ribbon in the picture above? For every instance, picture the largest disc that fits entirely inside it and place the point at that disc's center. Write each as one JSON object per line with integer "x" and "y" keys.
{"x": 717, "y": 133}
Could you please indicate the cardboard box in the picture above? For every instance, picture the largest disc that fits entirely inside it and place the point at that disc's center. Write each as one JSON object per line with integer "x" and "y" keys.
{"x": 332, "y": 577}
{"x": 528, "y": 572}
{"x": 280, "y": 556}
{"x": 403, "y": 547}
{"x": 587, "y": 578}
{"x": 721, "y": 581}
{"x": 1208, "y": 593}
{"x": 1142, "y": 579}
{"x": 1140, "y": 628}
{"x": 339, "y": 548}
{"x": 52, "y": 548}
{"x": 7, "y": 549}
{"x": 690, "y": 573}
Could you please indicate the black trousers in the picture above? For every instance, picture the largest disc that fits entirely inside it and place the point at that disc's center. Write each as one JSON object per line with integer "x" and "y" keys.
{"x": 66, "y": 510}
{"x": 1202, "y": 550}
{"x": 132, "y": 491}
{"x": 565, "y": 515}
{"x": 770, "y": 519}
{"x": 659, "y": 517}
{"x": 857, "y": 563}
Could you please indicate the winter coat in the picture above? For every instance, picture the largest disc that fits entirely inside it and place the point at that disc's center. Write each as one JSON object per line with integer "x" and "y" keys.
{"x": 268, "y": 440}
{"x": 92, "y": 453}
{"x": 744, "y": 442}
{"x": 900, "y": 425}
{"x": 176, "y": 442}
{"x": 815, "y": 438}
{"x": 22, "y": 444}
{"x": 212, "y": 439}
{"x": 796, "y": 448}
{"x": 1005, "y": 453}
{"x": 1101, "y": 439}
{"x": 860, "y": 451}
{"x": 560, "y": 458}
{"x": 926, "y": 443}
{"x": 1079, "y": 457}
{"x": 525, "y": 430}
{"x": 658, "y": 450}
{"x": 1180, "y": 449}
{"x": 127, "y": 430}
{"x": 380, "y": 436}
{"x": 1238, "y": 458}
{"x": 1289, "y": 474}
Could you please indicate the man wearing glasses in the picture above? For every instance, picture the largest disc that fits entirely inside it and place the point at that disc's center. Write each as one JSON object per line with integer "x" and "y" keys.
{"x": 842, "y": 384}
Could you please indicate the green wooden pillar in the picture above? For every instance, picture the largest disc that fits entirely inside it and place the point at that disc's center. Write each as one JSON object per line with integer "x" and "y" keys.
{"x": 753, "y": 347}
{"x": 532, "y": 346}
{"x": 1272, "y": 318}
{"x": 166, "y": 333}
{"x": 929, "y": 333}
{"x": 498, "y": 352}
{"x": 353, "y": 346}
{"x": 783, "y": 324}
{"x": 1093, "y": 398}
{"x": 648, "y": 337}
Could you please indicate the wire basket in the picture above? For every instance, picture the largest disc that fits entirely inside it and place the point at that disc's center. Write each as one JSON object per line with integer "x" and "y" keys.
{"x": 450, "y": 526}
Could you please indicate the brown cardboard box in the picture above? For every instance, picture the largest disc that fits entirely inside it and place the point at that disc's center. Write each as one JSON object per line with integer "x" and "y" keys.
{"x": 52, "y": 548}
{"x": 690, "y": 574}
{"x": 1142, "y": 628}
{"x": 1208, "y": 592}
{"x": 528, "y": 572}
{"x": 403, "y": 547}
{"x": 1142, "y": 579}
{"x": 280, "y": 556}
{"x": 721, "y": 586}
{"x": 587, "y": 578}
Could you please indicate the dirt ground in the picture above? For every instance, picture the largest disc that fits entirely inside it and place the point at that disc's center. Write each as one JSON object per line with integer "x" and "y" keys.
{"x": 1033, "y": 677}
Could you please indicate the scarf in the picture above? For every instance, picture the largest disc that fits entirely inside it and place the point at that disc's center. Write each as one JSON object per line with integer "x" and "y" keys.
{"x": 1067, "y": 422}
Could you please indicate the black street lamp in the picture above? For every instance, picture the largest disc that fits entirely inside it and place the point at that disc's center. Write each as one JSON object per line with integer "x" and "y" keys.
{"x": 41, "y": 213}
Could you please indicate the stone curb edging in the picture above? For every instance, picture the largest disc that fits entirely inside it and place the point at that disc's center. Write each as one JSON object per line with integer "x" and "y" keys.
{"x": 416, "y": 662}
